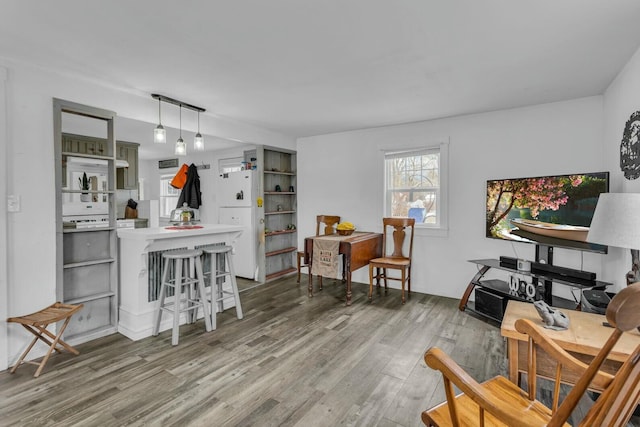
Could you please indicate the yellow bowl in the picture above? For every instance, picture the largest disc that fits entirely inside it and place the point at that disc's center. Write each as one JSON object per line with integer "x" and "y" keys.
{"x": 346, "y": 232}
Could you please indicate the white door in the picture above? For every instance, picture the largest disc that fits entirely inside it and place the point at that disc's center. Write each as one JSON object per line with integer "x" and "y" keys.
{"x": 244, "y": 258}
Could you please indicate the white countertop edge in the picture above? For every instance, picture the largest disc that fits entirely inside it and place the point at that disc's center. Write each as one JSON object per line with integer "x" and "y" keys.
{"x": 164, "y": 233}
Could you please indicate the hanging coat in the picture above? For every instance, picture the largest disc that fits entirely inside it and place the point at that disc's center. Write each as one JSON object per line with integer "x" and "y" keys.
{"x": 191, "y": 190}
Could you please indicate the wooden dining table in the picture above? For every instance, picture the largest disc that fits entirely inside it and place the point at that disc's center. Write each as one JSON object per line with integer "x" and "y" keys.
{"x": 357, "y": 250}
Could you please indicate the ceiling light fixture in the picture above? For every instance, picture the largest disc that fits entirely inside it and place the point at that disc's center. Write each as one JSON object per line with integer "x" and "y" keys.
{"x": 159, "y": 134}
{"x": 198, "y": 141}
{"x": 181, "y": 147}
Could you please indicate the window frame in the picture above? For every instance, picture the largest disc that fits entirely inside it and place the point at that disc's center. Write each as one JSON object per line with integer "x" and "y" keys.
{"x": 442, "y": 208}
{"x": 165, "y": 180}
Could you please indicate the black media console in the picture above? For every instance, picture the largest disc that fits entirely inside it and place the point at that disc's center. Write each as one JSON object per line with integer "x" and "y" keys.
{"x": 492, "y": 295}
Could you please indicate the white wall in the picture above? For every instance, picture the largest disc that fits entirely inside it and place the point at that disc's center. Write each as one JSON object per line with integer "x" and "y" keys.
{"x": 621, "y": 99}
{"x": 31, "y": 242}
{"x": 342, "y": 174}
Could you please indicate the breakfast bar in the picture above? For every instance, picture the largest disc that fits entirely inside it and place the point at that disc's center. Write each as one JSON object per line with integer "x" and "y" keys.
{"x": 140, "y": 272}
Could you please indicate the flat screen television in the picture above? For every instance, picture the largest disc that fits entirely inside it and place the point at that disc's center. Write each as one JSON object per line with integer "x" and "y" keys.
{"x": 546, "y": 210}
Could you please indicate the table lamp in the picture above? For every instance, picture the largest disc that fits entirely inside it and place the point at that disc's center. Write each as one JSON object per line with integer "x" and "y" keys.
{"x": 616, "y": 222}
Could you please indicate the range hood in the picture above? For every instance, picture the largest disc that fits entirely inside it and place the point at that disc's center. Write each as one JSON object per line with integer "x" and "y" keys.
{"x": 122, "y": 164}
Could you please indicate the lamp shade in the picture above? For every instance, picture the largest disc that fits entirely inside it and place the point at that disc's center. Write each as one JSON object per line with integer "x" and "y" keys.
{"x": 616, "y": 221}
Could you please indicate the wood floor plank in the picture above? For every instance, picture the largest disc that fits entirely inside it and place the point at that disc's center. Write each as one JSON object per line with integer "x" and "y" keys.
{"x": 292, "y": 361}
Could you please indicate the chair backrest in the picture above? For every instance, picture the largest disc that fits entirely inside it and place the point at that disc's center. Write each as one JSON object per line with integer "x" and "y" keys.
{"x": 616, "y": 404}
{"x": 329, "y": 221}
{"x": 397, "y": 226}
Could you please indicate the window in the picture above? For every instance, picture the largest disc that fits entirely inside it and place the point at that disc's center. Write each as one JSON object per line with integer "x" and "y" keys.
{"x": 415, "y": 183}
{"x": 168, "y": 196}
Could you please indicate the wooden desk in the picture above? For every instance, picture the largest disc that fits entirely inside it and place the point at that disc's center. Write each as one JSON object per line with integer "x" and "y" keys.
{"x": 584, "y": 338}
{"x": 356, "y": 249}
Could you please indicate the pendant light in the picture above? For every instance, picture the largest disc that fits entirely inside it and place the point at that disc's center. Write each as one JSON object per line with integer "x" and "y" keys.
{"x": 181, "y": 147}
{"x": 198, "y": 141}
{"x": 159, "y": 133}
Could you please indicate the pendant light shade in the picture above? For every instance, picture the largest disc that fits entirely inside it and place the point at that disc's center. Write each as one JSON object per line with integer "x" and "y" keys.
{"x": 159, "y": 134}
{"x": 181, "y": 147}
{"x": 198, "y": 141}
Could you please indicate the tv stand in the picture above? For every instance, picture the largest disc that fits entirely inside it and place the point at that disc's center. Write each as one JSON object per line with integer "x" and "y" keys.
{"x": 542, "y": 281}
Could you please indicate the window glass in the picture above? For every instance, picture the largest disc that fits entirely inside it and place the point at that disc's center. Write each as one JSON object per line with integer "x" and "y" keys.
{"x": 413, "y": 185}
{"x": 168, "y": 196}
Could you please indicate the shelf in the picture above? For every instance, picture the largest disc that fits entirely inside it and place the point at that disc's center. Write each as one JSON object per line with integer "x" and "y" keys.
{"x": 281, "y": 251}
{"x": 281, "y": 273}
{"x": 91, "y": 298}
{"x": 281, "y": 173}
{"x": 277, "y": 193}
{"x": 87, "y": 156}
{"x": 556, "y": 278}
{"x": 84, "y": 230}
{"x": 67, "y": 191}
{"x": 279, "y": 212}
{"x": 273, "y": 233}
{"x": 87, "y": 263}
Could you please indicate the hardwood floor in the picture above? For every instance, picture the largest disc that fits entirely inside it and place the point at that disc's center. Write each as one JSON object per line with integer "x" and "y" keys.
{"x": 292, "y": 360}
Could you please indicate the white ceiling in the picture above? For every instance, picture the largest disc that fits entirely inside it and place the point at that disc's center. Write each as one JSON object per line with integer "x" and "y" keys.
{"x": 308, "y": 67}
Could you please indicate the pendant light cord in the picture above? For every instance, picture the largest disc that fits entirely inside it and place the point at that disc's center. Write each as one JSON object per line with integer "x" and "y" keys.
{"x": 181, "y": 122}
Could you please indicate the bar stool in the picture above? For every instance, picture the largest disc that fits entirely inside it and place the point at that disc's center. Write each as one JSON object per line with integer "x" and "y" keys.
{"x": 188, "y": 281}
{"x": 221, "y": 256}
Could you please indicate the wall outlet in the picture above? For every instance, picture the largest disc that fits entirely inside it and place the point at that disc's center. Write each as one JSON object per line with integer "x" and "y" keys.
{"x": 13, "y": 203}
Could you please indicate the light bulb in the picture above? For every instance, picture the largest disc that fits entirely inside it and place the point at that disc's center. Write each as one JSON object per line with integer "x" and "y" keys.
{"x": 198, "y": 142}
{"x": 159, "y": 135}
{"x": 181, "y": 148}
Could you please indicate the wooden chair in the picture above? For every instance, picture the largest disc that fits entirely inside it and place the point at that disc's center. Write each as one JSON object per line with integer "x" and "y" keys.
{"x": 329, "y": 222}
{"x": 37, "y": 323}
{"x": 395, "y": 261}
{"x": 500, "y": 402}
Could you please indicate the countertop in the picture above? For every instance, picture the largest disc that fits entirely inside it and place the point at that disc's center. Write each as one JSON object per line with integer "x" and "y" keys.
{"x": 156, "y": 233}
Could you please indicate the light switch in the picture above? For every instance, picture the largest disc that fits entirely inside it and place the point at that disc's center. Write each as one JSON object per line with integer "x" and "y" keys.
{"x": 13, "y": 203}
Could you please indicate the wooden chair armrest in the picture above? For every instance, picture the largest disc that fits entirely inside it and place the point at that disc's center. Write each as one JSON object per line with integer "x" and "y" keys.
{"x": 560, "y": 355}
{"x": 490, "y": 402}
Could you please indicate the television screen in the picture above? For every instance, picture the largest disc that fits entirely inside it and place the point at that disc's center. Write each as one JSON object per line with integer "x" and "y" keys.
{"x": 548, "y": 210}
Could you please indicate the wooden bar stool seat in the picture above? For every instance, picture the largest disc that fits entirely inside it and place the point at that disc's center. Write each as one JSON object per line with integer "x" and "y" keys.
{"x": 37, "y": 323}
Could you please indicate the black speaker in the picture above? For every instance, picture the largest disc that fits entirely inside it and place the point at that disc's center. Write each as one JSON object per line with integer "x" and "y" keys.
{"x": 490, "y": 303}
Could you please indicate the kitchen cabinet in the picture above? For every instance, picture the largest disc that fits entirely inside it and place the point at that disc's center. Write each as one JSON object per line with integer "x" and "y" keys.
{"x": 86, "y": 241}
{"x": 127, "y": 177}
{"x": 279, "y": 214}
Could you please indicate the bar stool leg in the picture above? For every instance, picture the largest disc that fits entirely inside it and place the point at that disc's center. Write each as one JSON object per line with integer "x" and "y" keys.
{"x": 163, "y": 293}
{"x": 220, "y": 261}
{"x": 234, "y": 286}
{"x": 177, "y": 297}
{"x": 201, "y": 295}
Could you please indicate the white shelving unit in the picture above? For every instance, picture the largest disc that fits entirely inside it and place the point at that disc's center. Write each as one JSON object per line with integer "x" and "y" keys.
{"x": 87, "y": 258}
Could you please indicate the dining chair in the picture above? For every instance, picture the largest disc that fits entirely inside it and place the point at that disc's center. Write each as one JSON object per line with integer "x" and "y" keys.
{"x": 329, "y": 223}
{"x": 498, "y": 401}
{"x": 393, "y": 228}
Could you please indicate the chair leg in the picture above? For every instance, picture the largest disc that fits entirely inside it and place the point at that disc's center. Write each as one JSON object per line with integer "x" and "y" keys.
{"x": 234, "y": 287}
{"x": 384, "y": 275}
{"x": 177, "y": 297}
{"x": 53, "y": 346}
{"x": 370, "y": 282}
{"x": 409, "y": 280}
{"x": 319, "y": 283}
{"x": 202, "y": 295}
{"x": 161, "y": 298}
{"x": 299, "y": 267}
{"x": 402, "y": 278}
